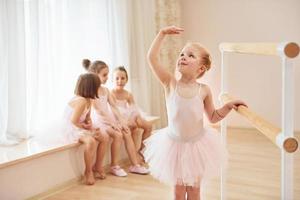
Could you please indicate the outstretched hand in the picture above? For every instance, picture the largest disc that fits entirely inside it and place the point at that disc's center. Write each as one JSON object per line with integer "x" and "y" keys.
{"x": 171, "y": 30}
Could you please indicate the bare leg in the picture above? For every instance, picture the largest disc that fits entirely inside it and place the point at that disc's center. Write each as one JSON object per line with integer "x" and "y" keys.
{"x": 103, "y": 140}
{"x": 137, "y": 143}
{"x": 147, "y": 128}
{"x": 179, "y": 192}
{"x": 89, "y": 152}
{"x": 115, "y": 146}
{"x": 193, "y": 193}
{"x": 130, "y": 147}
{"x": 134, "y": 133}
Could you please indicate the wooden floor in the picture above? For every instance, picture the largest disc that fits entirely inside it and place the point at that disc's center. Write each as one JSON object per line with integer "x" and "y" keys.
{"x": 253, "y": 174}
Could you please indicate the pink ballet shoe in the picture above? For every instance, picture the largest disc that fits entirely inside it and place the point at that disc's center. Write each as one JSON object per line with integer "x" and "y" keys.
{"x": 118, "y": 171}
{"x": 138, "y": 169}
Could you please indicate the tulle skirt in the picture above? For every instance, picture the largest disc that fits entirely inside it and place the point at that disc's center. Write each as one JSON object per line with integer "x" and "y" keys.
{"x": 59, "y": 132}
{"x": 176, "y": 162}
{"x": 130, "y": 113}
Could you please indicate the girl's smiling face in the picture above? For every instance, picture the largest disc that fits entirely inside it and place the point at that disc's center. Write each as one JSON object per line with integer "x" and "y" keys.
{"x": 189, "y": 62}
{"x": 120, "y": 79}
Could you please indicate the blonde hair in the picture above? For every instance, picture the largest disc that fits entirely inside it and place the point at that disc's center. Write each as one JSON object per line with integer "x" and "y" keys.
{"x": 205, "y": 56}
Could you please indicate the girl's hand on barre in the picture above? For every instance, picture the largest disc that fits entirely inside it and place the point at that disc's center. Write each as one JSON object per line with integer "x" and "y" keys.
{"x": 235, "y": 104}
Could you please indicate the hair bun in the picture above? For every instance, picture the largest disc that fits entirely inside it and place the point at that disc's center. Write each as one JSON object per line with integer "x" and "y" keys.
{"x": 86, "y": 63}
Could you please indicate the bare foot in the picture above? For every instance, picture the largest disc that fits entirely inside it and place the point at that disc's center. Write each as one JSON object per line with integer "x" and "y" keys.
{"x": 89, "y": 178}
{"x": 99, "y": 173}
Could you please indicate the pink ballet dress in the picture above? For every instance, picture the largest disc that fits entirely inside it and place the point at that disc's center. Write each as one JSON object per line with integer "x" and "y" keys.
{"x": 70, "y": 132}
{"x": 101, "y": 105}
{"x": 130, "y": 112}
{"x": 185, "y": 151}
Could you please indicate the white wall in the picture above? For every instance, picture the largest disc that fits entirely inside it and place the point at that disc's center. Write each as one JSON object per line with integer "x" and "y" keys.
{"x": 256, "y": 79}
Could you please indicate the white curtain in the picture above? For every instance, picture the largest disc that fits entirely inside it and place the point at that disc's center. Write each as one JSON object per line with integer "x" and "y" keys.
{"x": 42, "y": 45}
{"x": 141, "y": 30}
{"x": 13, "y": 82}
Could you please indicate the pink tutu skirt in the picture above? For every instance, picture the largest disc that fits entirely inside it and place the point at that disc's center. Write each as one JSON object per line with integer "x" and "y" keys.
{"x": 130, "y": 113}
{"x": 185, "y": 162}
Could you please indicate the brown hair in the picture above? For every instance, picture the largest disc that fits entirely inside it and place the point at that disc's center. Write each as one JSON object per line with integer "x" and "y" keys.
{"x": 87, "y": 85}
{"x": 205, "y": 56}
{"x": 122, "y": 69}
{"x": 94, "y": 67}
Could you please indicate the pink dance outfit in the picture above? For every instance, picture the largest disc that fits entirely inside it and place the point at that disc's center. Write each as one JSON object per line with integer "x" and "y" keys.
{"x": 72, "y": 133}
{"x": 130, "y": 112}
{"x": 184, "y": 152}
{"x": 101, "y": 105}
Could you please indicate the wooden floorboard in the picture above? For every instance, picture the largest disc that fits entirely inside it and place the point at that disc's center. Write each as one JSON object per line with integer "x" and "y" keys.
{"x": 253, "y": 174}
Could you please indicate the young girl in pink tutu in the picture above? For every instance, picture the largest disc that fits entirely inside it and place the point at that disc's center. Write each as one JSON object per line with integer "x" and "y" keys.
{"x": 77, "y": 125}
{"x": 129, "y": 110}
{"x": 107, "y": 117}
{"x": 186, "y": 153}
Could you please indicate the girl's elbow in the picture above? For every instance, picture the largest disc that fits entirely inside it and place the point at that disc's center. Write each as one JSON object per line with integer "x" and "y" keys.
{"x": 151, "y": 58}
{"x": 150, "y": 61}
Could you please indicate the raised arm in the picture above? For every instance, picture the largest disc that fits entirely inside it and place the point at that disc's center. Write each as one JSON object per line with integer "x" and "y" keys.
{"x": 215, "y": 115}
{"x": 153, "y": 55}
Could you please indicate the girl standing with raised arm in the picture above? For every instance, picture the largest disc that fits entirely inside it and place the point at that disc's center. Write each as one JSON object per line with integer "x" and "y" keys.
{"x": 186, "y": 153}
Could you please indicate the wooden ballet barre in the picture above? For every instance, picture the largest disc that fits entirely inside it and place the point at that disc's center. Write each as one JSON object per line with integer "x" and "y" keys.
{"x": 290, "y": 50}
{"x": 289, "y": 144}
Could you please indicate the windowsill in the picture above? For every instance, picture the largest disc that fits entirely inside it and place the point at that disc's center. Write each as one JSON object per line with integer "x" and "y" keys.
{"x": 33, "y": 148}
{"x": 28, "y": 150}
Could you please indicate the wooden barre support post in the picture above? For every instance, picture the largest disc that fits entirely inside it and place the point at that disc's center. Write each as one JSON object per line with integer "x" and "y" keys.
{"x": 290, "y": 50}
{"x": 272, "y": 132}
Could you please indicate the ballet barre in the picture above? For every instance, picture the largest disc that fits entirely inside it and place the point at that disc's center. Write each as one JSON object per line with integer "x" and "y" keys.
{"x": 283, "y": 137}
{"x": 290, "y": 50}
{"x": 289, "y": 144}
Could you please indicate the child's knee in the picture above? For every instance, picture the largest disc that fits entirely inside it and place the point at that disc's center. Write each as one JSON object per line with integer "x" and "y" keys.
{"x": 126, "y": 135}
{"x": 104, "y": 137}
{"x": 148, "y": 127}
{"x": 91, "y": 143}
{"x": 118, "y": 136}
